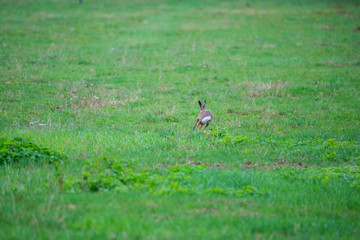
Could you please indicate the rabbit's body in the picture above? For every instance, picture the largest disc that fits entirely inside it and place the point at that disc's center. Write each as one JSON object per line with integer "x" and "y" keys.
{"x": 204, "y": 117}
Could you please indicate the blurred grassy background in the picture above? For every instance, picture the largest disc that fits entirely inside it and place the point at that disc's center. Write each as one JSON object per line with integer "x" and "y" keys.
{"x": 124, "y": 78}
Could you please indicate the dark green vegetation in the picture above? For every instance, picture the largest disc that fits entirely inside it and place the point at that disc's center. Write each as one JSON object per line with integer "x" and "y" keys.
{"x": 113, "y": 86}
{"x": 22, "y": 151}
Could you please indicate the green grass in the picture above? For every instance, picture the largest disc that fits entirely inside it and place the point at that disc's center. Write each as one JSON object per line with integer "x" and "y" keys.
{"x": 121, "y": 80}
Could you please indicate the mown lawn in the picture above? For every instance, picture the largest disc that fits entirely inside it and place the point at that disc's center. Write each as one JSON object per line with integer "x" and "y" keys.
{"x": 113, "y": 86}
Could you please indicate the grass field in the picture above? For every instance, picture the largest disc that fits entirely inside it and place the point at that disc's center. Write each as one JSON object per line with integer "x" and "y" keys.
{"x": 106, "y": 93}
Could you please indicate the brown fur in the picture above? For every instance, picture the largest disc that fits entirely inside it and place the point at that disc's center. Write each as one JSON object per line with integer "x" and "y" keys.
{"x": 203, "y": 113}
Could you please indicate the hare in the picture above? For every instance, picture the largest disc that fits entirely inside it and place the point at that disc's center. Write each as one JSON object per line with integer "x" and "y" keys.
{"x": 204, "y": 117}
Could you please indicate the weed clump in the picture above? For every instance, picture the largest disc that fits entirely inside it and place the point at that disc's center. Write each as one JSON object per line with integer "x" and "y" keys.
{"x": 325, "y": 150}
{"x": 113, "y": 174}
{"x": 347, "y": 174}
{"x": 23, "y": 151}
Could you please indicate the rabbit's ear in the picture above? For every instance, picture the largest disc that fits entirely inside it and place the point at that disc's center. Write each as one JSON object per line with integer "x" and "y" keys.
{"x": 200, "y": 103}
{"x": 203, "y": 106}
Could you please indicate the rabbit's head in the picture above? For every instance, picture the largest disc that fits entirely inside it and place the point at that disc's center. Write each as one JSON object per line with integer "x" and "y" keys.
{"x": 202, "y": 105}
